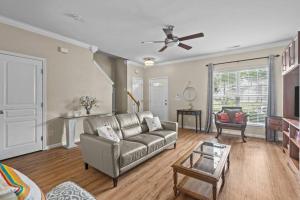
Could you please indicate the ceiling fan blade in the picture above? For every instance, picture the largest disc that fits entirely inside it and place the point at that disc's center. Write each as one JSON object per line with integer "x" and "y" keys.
{"x": 189, "y": 37}
{"x": 169, "y": 33}
{"x": 152, "y": 42}
{"x": 162, "y": 49}
{"x": 187, "y": 47}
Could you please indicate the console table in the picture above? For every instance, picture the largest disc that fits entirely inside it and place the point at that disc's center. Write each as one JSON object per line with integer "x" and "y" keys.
{"x": 70, "y": 123}
{"x": 196, "y": 113}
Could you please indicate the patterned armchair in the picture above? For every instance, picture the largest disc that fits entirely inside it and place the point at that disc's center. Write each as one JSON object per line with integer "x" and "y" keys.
{"x": 231, "y": 118}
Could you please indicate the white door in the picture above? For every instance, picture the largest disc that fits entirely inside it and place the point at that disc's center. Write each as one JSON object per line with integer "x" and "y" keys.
{"x": 158, "y": 89}
{"x": 20, "y": 106}
{"x": 137, "y": 92}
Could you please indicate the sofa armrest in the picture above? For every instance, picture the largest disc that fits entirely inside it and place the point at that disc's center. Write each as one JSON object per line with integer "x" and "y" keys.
{"x": 101, "y": 153}
{"x": 173, "y": 126}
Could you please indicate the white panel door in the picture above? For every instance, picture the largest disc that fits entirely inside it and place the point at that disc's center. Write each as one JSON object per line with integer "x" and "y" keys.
{"x": 158, "y": 92}
{"x": 21, "y": 95}
{"x": 137, "y": 92}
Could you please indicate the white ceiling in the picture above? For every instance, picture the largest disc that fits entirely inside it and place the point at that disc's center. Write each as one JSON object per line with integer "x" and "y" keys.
{"x": 118, "y": 26}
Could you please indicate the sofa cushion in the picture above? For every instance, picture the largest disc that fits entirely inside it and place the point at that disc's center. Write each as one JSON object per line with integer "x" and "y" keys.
{"x": 168, "y": 135}
{"x": 141, "y": 116}
{"x": 131, "y": 151}
{"x": 130, "y": 125}
{"x": 91, "y": 124}
{"x": 153, "y": 142}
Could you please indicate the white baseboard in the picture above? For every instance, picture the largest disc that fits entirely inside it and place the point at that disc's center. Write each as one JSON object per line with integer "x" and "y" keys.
{"x": 52, "y": 146}
{"x": 60, "y": 144}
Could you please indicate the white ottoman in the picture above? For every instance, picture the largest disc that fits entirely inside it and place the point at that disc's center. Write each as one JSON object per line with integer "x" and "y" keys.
{"x": 69, "y": 190}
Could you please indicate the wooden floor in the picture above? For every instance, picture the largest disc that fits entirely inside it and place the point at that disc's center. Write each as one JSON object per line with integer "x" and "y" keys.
{"x": 258, "y": 171}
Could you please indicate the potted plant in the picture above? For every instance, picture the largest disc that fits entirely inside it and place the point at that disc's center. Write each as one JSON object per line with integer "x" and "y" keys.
{"x": 88, "y": 103}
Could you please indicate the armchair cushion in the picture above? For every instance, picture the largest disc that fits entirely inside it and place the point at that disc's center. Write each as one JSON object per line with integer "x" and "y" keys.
{"x": 153, "y": 142}
{"x": 240, "y": 117}
{"x": 131, "y": 151}
{"x": 223, "y": 117}
{"x": 230, "y": 125}
{"x": 231, "y": 113}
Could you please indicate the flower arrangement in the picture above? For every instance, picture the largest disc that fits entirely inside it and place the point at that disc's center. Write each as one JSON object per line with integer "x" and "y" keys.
{"x": 88, "y": 103}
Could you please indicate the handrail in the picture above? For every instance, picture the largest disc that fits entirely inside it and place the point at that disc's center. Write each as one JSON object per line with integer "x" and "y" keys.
{"x": 138, "y": 103}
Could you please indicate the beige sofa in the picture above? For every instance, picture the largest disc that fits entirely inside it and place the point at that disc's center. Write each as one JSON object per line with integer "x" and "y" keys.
{"x": 136, "y": 144}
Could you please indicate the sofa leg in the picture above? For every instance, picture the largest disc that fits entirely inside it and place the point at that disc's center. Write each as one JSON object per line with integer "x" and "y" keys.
{"x": 115, "y": 180}
{"x": 86, "y": 166}
{"x": 175, "y": 146}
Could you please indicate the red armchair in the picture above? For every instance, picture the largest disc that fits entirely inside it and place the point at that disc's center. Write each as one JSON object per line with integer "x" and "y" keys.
{"x": 231, "y": 118}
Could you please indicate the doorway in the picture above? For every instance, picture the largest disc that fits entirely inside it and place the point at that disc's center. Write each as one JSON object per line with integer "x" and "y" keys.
{"x": 158, "y": 97}
{"x": 21, "y": 105}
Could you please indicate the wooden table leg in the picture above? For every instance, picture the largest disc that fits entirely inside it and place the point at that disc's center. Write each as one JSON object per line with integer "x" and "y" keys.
{"x": 182, "y": 120}
{"x": 228, "y": 161}
{"x": 175, "y": 177}
{"x": 196, "y": 116}
{"x": 200, "y": 121}
{"x": 191, "y": 160}
{"x": 223, "y": 177}
{"x": 215, "y": 191}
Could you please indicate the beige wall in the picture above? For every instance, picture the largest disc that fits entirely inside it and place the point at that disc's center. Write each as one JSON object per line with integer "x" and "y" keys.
{"x": 106, "y": 62}
{"x": 180, "y": 74}
{"x": 133, "y": 71}
{"x": 121, "y": 85}
{"x": 69, "y": 76}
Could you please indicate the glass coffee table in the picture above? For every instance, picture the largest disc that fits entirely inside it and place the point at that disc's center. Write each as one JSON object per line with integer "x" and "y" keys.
{"x": 203, "y": 169}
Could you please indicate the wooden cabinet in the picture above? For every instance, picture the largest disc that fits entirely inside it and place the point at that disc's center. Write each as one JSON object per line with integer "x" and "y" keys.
{"x": 291, "y": 142}
{"x": 290, "y": 55}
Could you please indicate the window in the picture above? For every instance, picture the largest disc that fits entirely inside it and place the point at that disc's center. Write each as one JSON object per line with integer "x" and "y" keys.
{"x": 245, "y": 88}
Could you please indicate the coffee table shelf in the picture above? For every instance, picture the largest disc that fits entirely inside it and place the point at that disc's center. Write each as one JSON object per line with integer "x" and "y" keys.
{"x": 204, "y": 170}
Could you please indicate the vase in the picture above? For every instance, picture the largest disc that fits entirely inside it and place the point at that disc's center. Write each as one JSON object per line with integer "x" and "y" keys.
{"x": 88, "y": 111}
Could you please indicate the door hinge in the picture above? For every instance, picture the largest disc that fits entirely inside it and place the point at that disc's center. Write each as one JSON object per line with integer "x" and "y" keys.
{"x": 42, "y": 71}
{"x": 42, "y": 104}
{"x": 42, "y": 138}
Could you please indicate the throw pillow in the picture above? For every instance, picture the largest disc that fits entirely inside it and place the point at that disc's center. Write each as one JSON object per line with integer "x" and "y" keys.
{"x": 239, "y": 117}
{"x": 223, "y": 117}
{"x": 153, "y": 123}
{"x": 231, "y": 112}
{"x": 108, "y": 133}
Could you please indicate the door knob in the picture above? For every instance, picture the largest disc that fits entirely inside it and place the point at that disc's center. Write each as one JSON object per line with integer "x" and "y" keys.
{"x": 1, "y": 112}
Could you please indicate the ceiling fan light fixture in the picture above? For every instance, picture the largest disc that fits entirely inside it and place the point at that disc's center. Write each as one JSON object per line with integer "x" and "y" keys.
{"x": 149, "y": 61}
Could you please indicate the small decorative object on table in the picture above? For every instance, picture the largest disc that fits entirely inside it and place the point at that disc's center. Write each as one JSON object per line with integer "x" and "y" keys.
{"x": 88, "y": 103}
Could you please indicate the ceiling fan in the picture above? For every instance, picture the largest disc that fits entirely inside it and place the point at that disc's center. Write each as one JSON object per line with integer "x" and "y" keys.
{"x": 173, "y": 40}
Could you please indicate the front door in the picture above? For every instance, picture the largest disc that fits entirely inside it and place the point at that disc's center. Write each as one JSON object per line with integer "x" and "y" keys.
{"x": 21, "y": 95}
{"x": 158, "y": 88}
